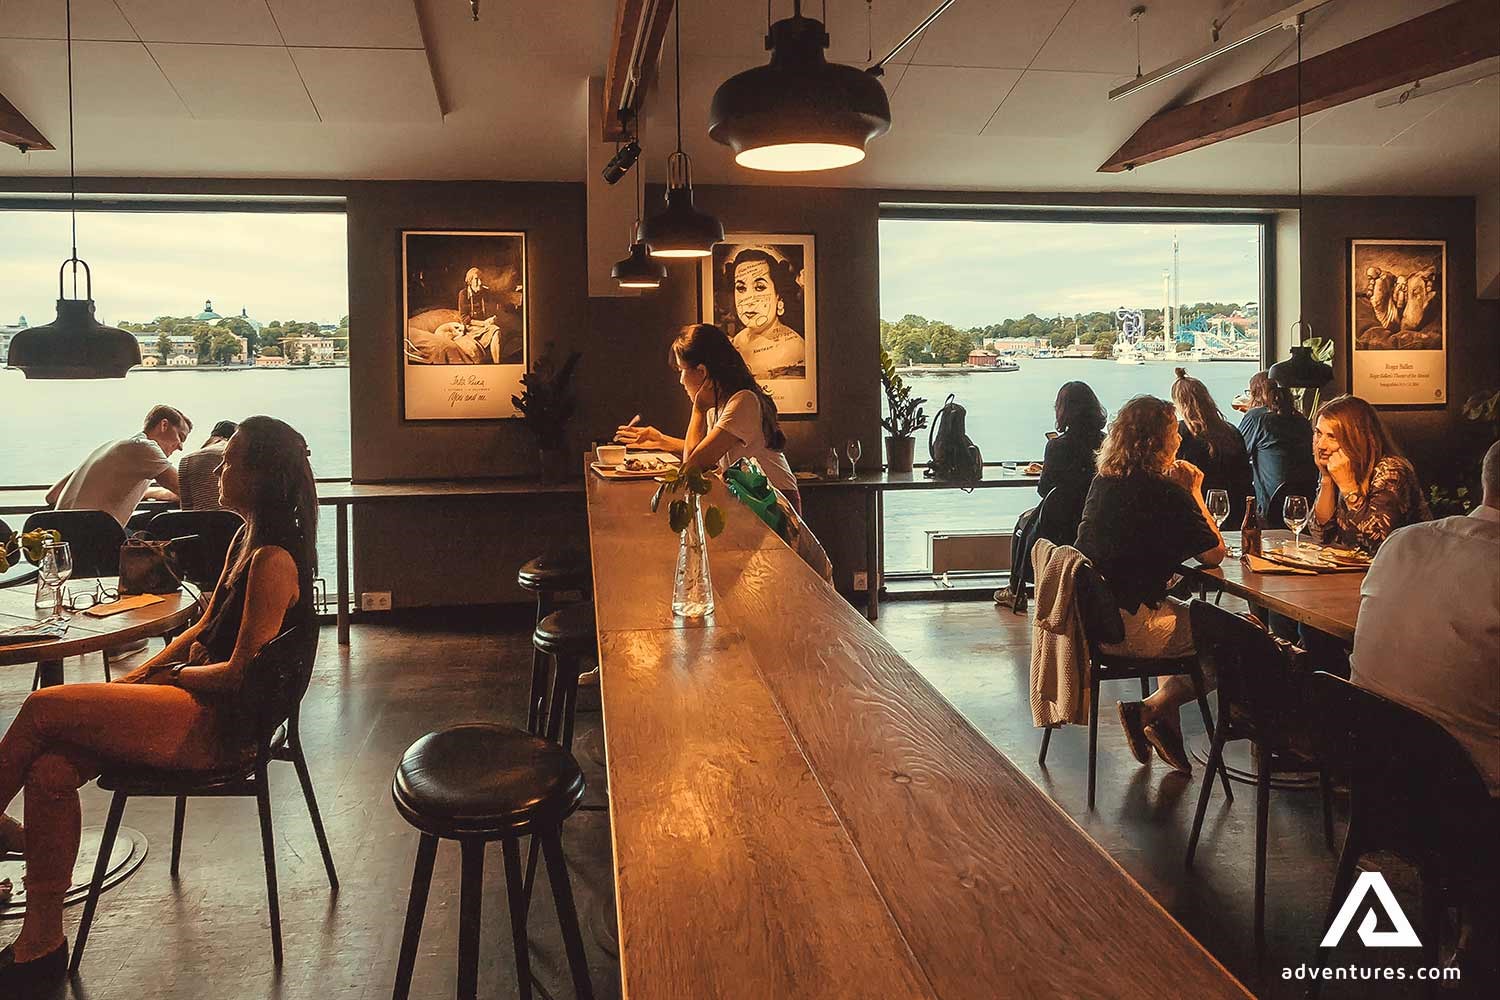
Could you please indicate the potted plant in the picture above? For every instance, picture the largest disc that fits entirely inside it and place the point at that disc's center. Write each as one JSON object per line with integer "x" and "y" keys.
{"x": 904, "y": 417}
{"x": 547, "y": 402}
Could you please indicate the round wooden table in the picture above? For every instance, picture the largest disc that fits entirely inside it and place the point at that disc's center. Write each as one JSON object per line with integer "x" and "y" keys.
{"x": 86, "y": 634}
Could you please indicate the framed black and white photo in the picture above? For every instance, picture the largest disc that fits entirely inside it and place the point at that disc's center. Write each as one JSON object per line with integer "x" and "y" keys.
{"x": 1398, "y": 321}
{"x": 761, "y": 289}
{"x": 464, "y": 323}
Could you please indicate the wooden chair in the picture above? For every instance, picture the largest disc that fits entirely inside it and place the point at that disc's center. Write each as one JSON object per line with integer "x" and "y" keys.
{"x": 1260, "y": 700}
{"x": 1413, "y": 791}
{"x": 1115, "y": 667}
{"x": 202, "y": 562}
{"x": 1055, "y": 519}
{"x": 550, "y": 576}
{"x": 280, "y": 674}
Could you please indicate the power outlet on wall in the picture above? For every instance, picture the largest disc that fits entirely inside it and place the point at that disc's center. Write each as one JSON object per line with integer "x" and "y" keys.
{"x": 375, "y": 600}
{"x": 861, "y": 580}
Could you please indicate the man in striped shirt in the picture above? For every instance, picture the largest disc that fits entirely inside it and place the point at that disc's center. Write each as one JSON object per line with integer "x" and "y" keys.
{"x": 198, "y": 471}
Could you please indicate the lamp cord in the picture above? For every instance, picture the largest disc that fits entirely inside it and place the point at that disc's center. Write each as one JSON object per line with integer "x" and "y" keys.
{"x": 677, "y": 55}
{"x": 72, "y": 168}
{"x": 1301, "y": 221}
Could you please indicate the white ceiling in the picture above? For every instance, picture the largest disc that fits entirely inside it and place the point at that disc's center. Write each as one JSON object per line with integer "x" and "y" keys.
{"x": 999, "y": 94}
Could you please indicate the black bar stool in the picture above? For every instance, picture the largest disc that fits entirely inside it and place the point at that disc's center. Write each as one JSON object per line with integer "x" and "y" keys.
{"x": 567, "y": 638}
{"x": 476, "y": 783}
{"x": 549, "y": 576}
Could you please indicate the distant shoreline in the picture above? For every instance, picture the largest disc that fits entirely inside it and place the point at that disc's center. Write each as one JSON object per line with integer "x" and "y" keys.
{"x": 235, "y": 368}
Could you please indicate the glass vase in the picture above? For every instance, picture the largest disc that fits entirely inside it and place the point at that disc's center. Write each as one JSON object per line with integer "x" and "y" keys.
{"x": 692, "y": 590}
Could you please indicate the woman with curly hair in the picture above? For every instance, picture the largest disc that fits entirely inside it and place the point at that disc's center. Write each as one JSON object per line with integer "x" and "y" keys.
{"x": 1144, "y": 515}
{"x": 763, "y": 288}
{"x": 1279, "y": 441}
{"x": 1366, "y": 487}
{"x": 193, "y": 706}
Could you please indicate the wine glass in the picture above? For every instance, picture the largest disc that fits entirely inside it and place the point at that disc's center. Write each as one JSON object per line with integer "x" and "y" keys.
{"x": 853, "y": 449}
{"x": 1217, "y": 502}
{"x": 55, "y": 569}
{"x": 1294, "y": 513}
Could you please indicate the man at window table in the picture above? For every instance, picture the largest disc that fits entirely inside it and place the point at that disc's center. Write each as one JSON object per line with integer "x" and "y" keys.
{"x": 117, "y": 475}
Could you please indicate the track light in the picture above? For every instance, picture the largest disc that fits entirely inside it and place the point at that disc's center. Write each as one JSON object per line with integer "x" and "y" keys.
{"x": 619, "y": 165}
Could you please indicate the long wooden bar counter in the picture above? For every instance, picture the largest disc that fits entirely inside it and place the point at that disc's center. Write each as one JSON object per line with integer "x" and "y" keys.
{"x": 797, "y": 812}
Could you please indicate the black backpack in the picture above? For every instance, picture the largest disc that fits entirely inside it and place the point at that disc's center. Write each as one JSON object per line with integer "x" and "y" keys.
{"x": 953, "y": 455}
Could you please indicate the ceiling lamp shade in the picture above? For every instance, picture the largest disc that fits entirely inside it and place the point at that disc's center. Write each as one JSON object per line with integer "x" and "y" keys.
{"x": 74, "y": 345}
{"x": 638, "y": 270}
{"x": 1301, "y": 370}
{"x": 800, "y": 112}
{"x": 680, "y": 230}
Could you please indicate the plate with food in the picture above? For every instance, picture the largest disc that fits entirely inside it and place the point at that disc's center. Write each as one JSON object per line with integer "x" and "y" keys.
{"x": 638, "y": 465}
{"x": 1034, "y": 469}
{"x": 1324, "y": 559}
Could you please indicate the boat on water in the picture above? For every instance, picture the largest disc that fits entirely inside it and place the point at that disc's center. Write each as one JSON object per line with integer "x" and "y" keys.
{"x": 1003, "y": 365}
{"x": 1045, "y": 352}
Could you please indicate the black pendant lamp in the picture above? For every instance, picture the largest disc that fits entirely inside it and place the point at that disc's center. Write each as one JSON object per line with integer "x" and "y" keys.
{"x": 1301, "y": 370}
{"x": 680, "y": 230}
{"x": 800, "y": 112}
{"x": 637, "y": 269}
{"x": 75, "y": 345}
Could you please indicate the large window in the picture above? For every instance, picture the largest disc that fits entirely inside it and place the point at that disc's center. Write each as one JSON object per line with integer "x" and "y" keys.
{"x": 1000, "y": 313}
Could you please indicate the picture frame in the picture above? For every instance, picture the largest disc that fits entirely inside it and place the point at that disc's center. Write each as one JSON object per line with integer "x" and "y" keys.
{"x": 761, "y": 289}
{"x": 464, "y": 339}
{"x": 1398, "y": 321}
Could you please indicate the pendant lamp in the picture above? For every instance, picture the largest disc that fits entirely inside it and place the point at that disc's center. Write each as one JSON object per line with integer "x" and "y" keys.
{"x": 1301, "y": 370}
{"x": 680, "y": 230}
{"x": 637, "y": 269}
{"x": 800, "y": 112}
{"x": 75, "y": 345}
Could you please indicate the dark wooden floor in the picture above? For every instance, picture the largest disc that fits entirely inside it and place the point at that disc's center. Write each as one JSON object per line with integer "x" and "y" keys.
{"x": 204, "y": 936}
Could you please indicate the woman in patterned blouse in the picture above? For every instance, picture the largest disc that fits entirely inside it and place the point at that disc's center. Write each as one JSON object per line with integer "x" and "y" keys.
{"x": 1366, "y": 488}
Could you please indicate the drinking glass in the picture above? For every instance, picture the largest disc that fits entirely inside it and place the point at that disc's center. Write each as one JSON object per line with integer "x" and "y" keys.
{"x": 1294, "y": 513}
{"x": 853, "y": 449}
{"x": 1217, "y": 502}
{"x": 831, "y": 464}
{"x": 55, "y": 568}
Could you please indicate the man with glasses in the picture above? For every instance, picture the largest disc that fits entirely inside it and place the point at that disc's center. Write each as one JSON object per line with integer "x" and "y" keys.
{"x": 117, "y": 475}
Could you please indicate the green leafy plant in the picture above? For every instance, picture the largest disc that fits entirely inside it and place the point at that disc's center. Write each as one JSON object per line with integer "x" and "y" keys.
{"x": 906, "y": 416}
{"x": 680, "y": 511}
{"x": 1459, "y": 488}
{"x": 28, "y": 544}
{"x": 1484, "y": 407}
{"x": 547, "y": 400}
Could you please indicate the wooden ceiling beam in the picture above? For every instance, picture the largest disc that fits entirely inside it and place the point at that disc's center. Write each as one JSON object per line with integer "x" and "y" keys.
{"x": 16, "y": 131}
{"x": 1442, "y": 40}
{"x": 640, "y": 31}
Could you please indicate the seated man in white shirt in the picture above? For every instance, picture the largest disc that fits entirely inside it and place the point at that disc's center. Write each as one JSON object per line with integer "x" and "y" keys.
{"x": 1428, "y": 633}
{"x": 117, "y": 475}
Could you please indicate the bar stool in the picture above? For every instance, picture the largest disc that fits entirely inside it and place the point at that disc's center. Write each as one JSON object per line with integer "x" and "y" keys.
{"x": 549, "y": 576}
{"x": 476, "y": 783}
{"x": 567, "y": 638}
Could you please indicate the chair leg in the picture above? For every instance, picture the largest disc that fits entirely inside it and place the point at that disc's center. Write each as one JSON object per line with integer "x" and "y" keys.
{"x": 1432, "y": 923}
{"x": 1041, "y": 758}
{"x": 1093, "y": 736}
{"x": 179, "y": 819}
{"x": 1343, "y": 880}
{"x": 300, "y": 763}
{"x": 1262, "y": 819}
{"x": 470, "y": 889}
{"x": 1325, "y": 784}
{"x": 562, "y": 702}
{"x": 516, "y": 894}
{"x": 104, "y": 654}
{"x": 96, "y": 885}
{"x": 1208, "y": 726}
{"x": 527, "y": 883}
{"x": 268, "y": 848}
{"x": 1145, "y": 687}
{"x": 567, "y": 915}
{"x": 1215, "y": 756}
{"x": 416, "y": 907}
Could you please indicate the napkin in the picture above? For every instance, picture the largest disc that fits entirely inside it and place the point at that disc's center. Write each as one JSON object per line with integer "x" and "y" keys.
{"x": 1258, "y": 565}
{"x": 123, "y": 604}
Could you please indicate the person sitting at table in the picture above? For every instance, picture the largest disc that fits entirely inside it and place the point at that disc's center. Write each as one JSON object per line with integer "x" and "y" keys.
{"x": 118, "y": 474}
{"x": 1143, "y": 517}
{"x": 733, "y": 417}
{"x": 1429, "y": 623}
{"x": 1212, "y": 444}
{"x": 191, "y": 707}
{"x": 198, "y": 471}
{"x": 1366, "y": 487}
{"x": 1279, "y": 442}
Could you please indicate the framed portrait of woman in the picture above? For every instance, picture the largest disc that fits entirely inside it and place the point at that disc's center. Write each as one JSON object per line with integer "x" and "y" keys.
{"x": 761, "y": 289}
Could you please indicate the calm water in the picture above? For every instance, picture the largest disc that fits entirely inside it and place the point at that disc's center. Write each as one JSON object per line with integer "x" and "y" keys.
{"x": 1009, "y": 414}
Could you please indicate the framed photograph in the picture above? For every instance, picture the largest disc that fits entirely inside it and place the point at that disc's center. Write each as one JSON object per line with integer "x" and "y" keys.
{"x": 464, "y": 327}
{"x": 762, "y": 290}
{"x": 1398, "y": 321}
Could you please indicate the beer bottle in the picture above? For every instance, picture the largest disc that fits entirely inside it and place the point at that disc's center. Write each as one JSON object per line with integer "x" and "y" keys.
{"x": 1250, "y": 530}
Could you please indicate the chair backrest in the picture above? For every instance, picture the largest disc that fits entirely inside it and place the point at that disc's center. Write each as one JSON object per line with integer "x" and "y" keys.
{"x": 1058, "y": 515}
{"x": 1259, "y": 690}
{"x": 203, "y": 562}
{"x": 1413, "y": 788}
{"x": 277, "y": 678}
{"x": 1096, "y": 607}
{"x": 93, "y": 536}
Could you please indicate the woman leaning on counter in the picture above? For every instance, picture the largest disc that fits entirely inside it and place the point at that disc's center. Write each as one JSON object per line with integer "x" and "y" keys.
{"x": 1366, "y": 487}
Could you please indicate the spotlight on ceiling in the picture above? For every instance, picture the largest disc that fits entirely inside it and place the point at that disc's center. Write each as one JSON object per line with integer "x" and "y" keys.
{"x": 619, "y": 165}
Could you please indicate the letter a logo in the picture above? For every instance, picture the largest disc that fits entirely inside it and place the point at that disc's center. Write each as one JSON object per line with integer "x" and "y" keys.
{"x": 1402, "y": 937}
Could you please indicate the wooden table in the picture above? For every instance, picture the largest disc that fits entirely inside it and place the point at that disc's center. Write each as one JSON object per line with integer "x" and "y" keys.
{"x": 1328, "y": 602}
{"x": 796, "y": 812}
{"x": 875, "y": 485}
{"x": 86, "y": 634}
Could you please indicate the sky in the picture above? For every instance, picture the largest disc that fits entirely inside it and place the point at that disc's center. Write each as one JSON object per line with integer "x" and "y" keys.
{"x": 149, "y": 264}
{"x": 971, "y": 273}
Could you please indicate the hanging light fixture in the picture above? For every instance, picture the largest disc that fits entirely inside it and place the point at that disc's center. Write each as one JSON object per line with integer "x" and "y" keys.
{"x": 637, "y": 269}
{"x": 800, "y": 112}
{"x": 75, "y": 344}
{"x": 1301, "y": 370}
{"x": 680, "y": 230}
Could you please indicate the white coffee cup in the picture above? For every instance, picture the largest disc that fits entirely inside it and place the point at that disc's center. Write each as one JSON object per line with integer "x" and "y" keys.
{"x": 610, "y": 454}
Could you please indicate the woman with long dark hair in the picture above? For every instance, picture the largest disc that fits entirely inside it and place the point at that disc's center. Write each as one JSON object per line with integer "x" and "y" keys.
{"x": 1279, "y": 441}
{"x": 1366, "y": 487}
{"x": 191, "y": 707}
{"x": 1212, "y": 444}
{"x": 733, "y": 417}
